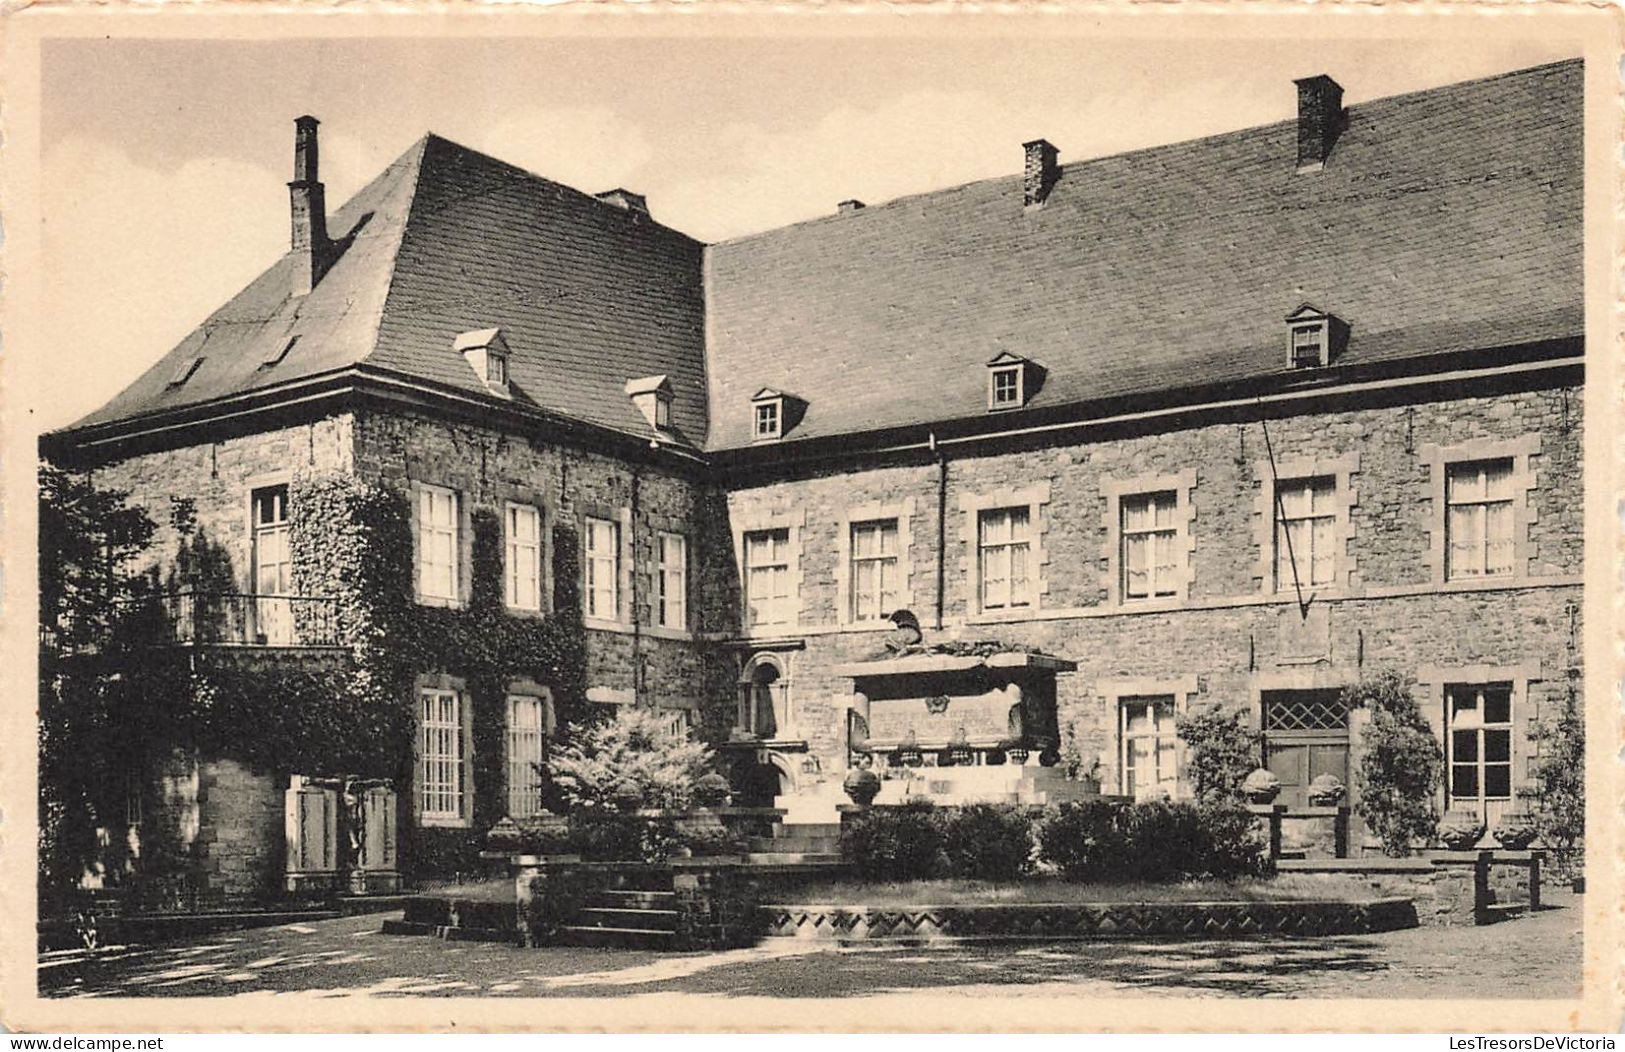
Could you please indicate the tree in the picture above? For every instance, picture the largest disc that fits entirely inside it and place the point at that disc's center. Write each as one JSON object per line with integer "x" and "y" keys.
{"x": 1401, "y": 764}
{"x": 639, "y": 749}
{"x": 1560, "y": 784}
{"x": 88, "y": 540}
{"x": 1221, "y": 752}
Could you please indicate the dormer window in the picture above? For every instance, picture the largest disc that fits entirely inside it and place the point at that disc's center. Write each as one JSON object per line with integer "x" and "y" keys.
{"x": 773, "y": 414}
{"x": 1314, "y": 337}
{"x": 184, "y": 371}
{"x": 1011, "y": 381}
{"x": 652, "y": 395}
{"x": 768, "y": 419}
{"x": 486, "y": 352}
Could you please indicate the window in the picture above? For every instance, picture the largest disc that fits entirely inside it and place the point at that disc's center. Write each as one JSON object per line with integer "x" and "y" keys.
{"x": 1478, "y": 519}
{"x": 273, "y": 565}
{"x": 1005, "y": 546}
{"x": 663, "y": 413}
{"x": 442, "y": 758}
{"x": 1480, "y": 748}
{"x": 1308, "y": 346}
{"x": 1005, "y": 390}
{"x": 767, "y": 419}
{"x": 874, "y": 569}
{"x": 1306, "y": 532}
{"x": 603, "y": 569}
{"x": 184, "y": 371}
{"x": 1149, "y": 536}
{"x": 523, "y": 529}
{"x": 671, "y": 581}
{"x": 527, "y": 730}
{"x": 496, "y": 368}
{"x": 1150, "y": 755}
{"x": 767, "y": 577}
{"x": 437, "y": 543}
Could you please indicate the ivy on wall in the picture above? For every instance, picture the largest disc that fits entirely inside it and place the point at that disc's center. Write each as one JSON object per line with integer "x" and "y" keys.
{"x": 353, "y": 541}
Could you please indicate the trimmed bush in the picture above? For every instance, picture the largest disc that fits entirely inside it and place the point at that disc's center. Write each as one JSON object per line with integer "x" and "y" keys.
{"x": 1098, "y": 841}
{"x": 895, "y": 843}
{"x": 601, "y": 837}
{"x": 988, "y": 841}
{"x": 1083, "y": 840}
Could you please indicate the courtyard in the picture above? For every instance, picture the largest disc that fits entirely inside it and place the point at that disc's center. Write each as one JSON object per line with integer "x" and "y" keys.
{"x": 1538, "y": 955}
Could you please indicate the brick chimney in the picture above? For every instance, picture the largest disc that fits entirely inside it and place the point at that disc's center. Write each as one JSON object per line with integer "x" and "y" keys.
{"x": 311, "y": 248}
{"x": 1320, "y": 120}
{"x": 1040, "y": 173}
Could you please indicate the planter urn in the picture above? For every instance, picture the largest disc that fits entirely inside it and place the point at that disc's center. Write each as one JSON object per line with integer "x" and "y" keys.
{"x": 1261, "y": 787}
{"x": 1516, "y": 830}
{"x": 862, "y": 785}
{"x": 711, "y": 790}
{"x": 1460, "y": 830}
{"x": 1326, "y": 790}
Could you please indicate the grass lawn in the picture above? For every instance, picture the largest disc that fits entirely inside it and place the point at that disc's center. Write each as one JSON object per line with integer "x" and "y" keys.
{"x": 1052, "y": 890}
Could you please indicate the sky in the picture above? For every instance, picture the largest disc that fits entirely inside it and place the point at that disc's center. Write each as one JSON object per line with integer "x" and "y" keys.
{"x": 165, "y": 161}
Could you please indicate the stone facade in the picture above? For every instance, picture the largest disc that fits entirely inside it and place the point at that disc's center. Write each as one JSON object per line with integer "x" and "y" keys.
{"x": 1230, "y": 624}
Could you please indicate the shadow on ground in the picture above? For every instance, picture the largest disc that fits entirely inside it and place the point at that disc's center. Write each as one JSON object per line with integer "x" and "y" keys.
{"x": 1539, "y": 955}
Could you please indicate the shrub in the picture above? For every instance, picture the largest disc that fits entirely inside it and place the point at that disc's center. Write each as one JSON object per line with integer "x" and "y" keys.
{"x": 611, "y": 837}
{"x": 1401, "y": 764}
{"x": 638, "y": 748}
{"x": 1083, "y": 840}
{"x": 1154, "y": 841}
{"x": 895, "y": 843}
{"x": 1235, "y": 845}
{"x": 1221, "y": 752}
{"x": 1560, "y": 786}
{"x": 988, "y": 841}
{"x": 710, "y": 843}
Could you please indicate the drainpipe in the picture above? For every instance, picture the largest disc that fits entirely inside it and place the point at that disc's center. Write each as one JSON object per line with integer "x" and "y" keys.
{"x": 942, "y": 526}
{"x": 635, "y": 598}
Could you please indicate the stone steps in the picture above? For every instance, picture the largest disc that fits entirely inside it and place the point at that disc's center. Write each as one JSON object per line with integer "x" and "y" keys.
{"x": 633, "y": 919}
{"x": 795, "y": 845}
{"x": 616, "y": 938}
{"x": 632, "y": 899}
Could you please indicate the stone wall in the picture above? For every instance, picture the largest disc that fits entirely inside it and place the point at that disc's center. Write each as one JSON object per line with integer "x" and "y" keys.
{"x": 218, "y": 477}
{"x": 1232, "y": 630}
{"x": 630, "y": 658}
{"x": 211, "y": 833}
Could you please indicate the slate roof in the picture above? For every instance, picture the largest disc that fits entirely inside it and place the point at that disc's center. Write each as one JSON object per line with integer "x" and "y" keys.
{"x": 1445, "y": 220}
{"x": 446, "y": 241}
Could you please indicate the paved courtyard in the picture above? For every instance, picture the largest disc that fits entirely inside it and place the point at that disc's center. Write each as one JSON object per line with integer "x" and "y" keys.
{"x": 1538, "y": 955}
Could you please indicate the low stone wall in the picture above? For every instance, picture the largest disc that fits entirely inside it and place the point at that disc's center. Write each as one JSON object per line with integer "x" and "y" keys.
{"x": 1045, "y": 922}
{"x": 1448, "y": 887}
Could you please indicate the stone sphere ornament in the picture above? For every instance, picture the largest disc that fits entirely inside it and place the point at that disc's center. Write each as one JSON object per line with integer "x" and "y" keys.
{"x": 1516, "y": 830}
{"x": 1326, "y": 791}
{"x": 862, "y": 785}
{"x": 1460, "y": 830}
{"x": 1261, "y": 787}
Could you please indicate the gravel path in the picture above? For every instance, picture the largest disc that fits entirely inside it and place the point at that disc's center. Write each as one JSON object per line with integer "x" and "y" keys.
{"x": 1538, "y": 956}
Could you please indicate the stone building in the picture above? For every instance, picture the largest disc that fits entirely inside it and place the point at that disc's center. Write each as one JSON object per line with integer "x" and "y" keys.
{"x": 1227, "y": 422}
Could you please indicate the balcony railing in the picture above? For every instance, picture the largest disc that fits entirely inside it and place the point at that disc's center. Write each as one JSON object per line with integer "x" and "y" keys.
{"x": 234, "y": 619}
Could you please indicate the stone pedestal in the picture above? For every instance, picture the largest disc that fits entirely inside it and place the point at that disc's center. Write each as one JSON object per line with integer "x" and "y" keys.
{"x": 311, "y": 826}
